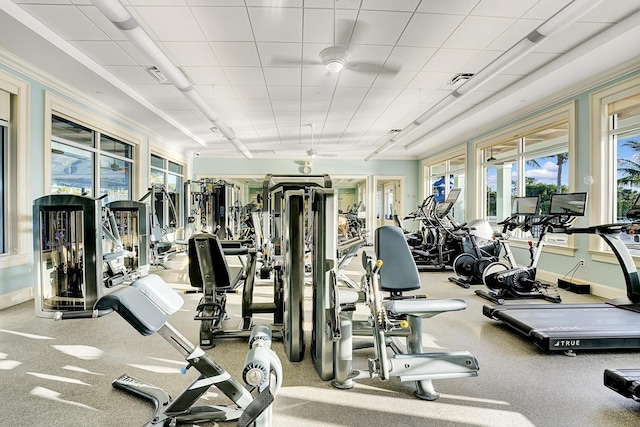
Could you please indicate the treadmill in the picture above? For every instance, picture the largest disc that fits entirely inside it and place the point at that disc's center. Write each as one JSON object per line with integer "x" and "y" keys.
{"x": 614, "y": 324}
{"x": 626, "y": 381}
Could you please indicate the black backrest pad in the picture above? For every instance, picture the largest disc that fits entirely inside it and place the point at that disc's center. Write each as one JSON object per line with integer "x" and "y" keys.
{"x": 206, "y": 257}
{"x": 135, "y": 308}
{"x": 398, "y": 271}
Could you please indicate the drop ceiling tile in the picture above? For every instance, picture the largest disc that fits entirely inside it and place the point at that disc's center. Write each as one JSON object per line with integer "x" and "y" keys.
{"x": 381, "y": 28}
{"x": 477, "y": 32}
{"x": 397, "y": 5}
{"x": 407, "y": 58}
{"x": 544, "y": 9}
{"x": 283, "y": 77}
{"x": 251, "y": 92}
{"x": 328, "y": 4}
{"x": 206, "y": 75}
{"x": 452, "y": 7}
{"x": 282, "y": 109}
{"x": 224, "y": 23}
{"x": 349, "y": 94}
{"x": 317, "y": 93}
{"x": 313, "y": 105}
{"x": 275, "y": 3}
{"x": 244, "y": 76}
{"x": 236, "y": 54}
{"x": 284, "y": 93}
{"x": 429, "y": 30}
{"x": 192, "y": 54}
{"x": 427, "y": 80}
{"x": 215, "y": 2}
{"x": 219, "y": 91}
{"x": 224, "y": 105}
{"x": 318, "y": 26}
{"x": 276, "y": 24}
{"x": 351, "y": 78}
{"x": 280, "y": 54}
{"x": 507, "y": 9}
{"x": 313, "y": 116}
{"x": 450, "y": 60}
{"x": 58, "y": 17}
{"x": 398, "y": 80}
{"x": 157, "y": 2}
{"x": 105, "y": 52}
{"x": 259, "y": 105}
{"x": 171, "y": 23}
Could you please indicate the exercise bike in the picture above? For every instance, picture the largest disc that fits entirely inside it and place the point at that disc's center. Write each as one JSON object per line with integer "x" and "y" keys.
{"x": 469, "y": 266}
{"x": 504, "y": 283}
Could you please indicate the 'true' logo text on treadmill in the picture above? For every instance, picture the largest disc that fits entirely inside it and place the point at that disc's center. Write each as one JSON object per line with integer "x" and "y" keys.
{"x": 567, "y": 343}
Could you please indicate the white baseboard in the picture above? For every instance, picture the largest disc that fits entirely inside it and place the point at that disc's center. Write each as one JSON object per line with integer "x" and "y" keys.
{"x": 16, "y": 297}
{"x": 597, "y": 289}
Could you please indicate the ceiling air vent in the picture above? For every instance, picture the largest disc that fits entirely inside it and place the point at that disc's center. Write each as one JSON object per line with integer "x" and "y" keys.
{"x": 457, "y": 80}
{"x": 157, "y": 74}
{"x": 393, "y": 132}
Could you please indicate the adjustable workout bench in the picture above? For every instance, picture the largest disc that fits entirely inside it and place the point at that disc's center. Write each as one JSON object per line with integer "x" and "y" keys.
{"x": 392, "y": 318}
{"x": 209, "y": 272}
{"x": 145, "y": 305}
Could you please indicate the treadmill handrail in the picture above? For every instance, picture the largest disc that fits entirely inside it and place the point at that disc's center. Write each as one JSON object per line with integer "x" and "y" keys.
{"x": 610, "y": 233}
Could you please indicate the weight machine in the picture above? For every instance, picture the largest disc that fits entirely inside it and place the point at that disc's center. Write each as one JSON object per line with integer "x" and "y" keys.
{"x": 74, "y": 261}
{"x": 213, "y": 207}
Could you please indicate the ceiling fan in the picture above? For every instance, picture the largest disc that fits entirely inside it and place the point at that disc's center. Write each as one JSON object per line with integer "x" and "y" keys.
{"x": 337, "y": 57}
{"x": 312, "y": 152}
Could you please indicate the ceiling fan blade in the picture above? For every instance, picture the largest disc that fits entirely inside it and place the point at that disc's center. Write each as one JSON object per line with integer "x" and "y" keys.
{"x": 367, "y": 67}
{"x": 293, "y": 63}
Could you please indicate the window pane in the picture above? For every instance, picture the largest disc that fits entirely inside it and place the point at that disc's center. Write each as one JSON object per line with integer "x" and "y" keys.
{"x": 174, "y": 188}
{"x": 438, "y": 188}
{"x": 458, "y": 163}
{"x": 501, "y": 188}
{"x": 115, "y": 178}
{"x": 628, "y": 171}
{"x": 67, "y": 131}
{"x": 157, "y": 161}
{"x": 157, "y": 177}
{"x": 545, "y": 175}
{"x": 71, "y": 170}
{"x": 438, "y": 169}
{"x": 547, "y": 138}
{"x": 174, "y": 167}
{"x": 115, "y": 147}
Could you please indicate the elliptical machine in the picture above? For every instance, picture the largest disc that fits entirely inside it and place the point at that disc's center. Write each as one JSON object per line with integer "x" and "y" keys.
{"x": 505, "y": 283}
{"x": 470, "y": 266}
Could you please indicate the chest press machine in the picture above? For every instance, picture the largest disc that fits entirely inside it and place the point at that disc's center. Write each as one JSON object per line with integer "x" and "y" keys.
{"x": 392, "y": 318}
{"x": 145, "y": 305}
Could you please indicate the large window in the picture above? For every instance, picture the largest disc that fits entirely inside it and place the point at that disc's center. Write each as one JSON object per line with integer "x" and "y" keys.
{"x": 75, "y": 150}
{"x": 530, "y": 159}
{"x": 167, "y": 175}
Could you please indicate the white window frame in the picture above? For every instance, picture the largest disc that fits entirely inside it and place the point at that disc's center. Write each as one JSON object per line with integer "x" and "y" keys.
{"x": 18, "y": 214}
